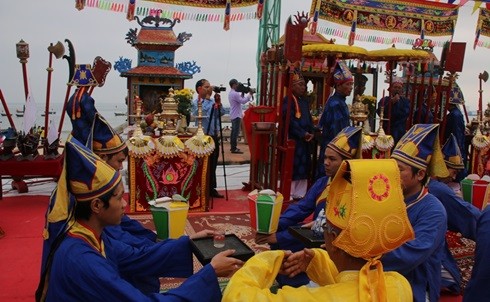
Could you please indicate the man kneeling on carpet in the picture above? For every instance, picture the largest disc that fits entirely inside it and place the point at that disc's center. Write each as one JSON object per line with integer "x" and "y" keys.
{"x": 366, "y": 218}
{"x": 86, "y": 265}
{"x": 106, "y": 143}
{"x": 346, "y": 145}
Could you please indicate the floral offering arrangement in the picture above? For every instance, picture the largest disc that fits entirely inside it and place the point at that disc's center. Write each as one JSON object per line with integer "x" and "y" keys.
{"x": 184, "y": 98}
{"x": 370, "y": 101}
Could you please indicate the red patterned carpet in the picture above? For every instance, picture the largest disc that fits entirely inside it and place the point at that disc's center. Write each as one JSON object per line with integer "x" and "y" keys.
{"x": 461, "y": 248}
{"x": 463, "y": 251}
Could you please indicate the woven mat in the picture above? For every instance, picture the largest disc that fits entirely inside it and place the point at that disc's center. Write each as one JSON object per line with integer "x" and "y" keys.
{"x": 238, "y": 224}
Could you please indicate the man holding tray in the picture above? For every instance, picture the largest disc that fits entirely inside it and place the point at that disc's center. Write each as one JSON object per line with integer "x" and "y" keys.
{"x": 86, "y": 264}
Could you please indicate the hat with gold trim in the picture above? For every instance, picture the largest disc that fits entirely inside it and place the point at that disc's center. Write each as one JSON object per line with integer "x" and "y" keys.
{"x": 87, "y": 174}
{"x": 420, "y": 148}
{"x": 84, "y": 175}
{"x": 342, "y": 74}
{"x": 103, "y": 139}
{"x": 366, "y": 202}
{"x": 452, "y": 154}
{"x": 348, "y": 142}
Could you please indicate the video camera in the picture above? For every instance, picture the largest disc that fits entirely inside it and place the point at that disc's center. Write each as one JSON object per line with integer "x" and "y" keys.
{"x": 218, "y": 89}
{"x": 245, "y": 89}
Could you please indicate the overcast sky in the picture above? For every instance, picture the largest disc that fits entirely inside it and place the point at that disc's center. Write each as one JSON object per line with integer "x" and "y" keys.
{"x": 221, "y": 54}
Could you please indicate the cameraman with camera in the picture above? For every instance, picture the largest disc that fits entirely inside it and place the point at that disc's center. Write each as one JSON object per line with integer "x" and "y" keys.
{"x": 211, "y": 110}
{"x": 239, "y": 94}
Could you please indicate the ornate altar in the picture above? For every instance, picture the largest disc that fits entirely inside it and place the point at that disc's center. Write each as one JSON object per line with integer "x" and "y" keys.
{"x": 165, "y": 164}
{"x": 154, "y": 176}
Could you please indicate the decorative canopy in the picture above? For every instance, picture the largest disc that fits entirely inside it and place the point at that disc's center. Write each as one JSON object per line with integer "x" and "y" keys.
{"x": 366, "y": 20}
{"x": 396, "y": 54}
{"x": 337, "y": 50}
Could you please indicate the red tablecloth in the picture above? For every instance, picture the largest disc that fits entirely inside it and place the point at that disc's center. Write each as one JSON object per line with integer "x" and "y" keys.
{"x": 19, "y": 169}
{"x": 37, "y": 167}
{"x": 154, "y": 176}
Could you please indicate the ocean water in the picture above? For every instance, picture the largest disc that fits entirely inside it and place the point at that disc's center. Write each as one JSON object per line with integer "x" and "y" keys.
{"x": 107, "y": 110}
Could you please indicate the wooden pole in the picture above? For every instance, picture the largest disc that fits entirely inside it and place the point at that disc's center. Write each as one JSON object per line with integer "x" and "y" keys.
{"x": 48, "y": 93}
{"x": 9, "y": 115}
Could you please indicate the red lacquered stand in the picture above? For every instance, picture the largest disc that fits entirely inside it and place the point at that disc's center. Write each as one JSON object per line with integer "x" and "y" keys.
{"x": 19, "y": 170}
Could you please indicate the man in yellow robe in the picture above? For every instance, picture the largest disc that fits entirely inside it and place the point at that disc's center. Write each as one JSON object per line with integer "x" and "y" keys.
{"x": 366, "y": 217}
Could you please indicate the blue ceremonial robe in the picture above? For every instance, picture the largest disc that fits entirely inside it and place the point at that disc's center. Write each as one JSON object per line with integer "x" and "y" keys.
{"x": 455, "y": 125}
{"x": 294, "y": 215}
{"x": 335, "y": 117}
{"x": 81, "y": 126}
{"x": 462, "y": 217}
{"x": 130, "y": 232}
{"x": 298, "y": 127}
{"x": 398, "y": 117}
{"x": 137, "y": 233}
{"x": 80, "y": 273}
{"x": 478, "y": 289}
{"x": 420, "y": 259}
{"x": 426, "y": 117}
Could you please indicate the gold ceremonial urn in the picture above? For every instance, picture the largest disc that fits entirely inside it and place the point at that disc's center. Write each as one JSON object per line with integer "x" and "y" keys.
{"x": 359, "y": 112}
{"x": 169, "y": 117}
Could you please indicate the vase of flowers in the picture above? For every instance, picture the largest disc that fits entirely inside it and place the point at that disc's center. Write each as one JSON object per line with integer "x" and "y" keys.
{"x": 370, "y": 101}
{"x": 184, "y": 98}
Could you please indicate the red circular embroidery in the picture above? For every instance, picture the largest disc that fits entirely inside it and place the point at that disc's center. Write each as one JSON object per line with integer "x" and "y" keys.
{"x": 379, "y": 187}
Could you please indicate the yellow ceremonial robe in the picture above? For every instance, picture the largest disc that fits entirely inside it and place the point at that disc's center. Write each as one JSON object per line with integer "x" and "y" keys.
{"x": 253, "y": 281}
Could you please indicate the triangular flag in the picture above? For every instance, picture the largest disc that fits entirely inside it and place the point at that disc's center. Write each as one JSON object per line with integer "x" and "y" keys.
{"x": 52, "y": 132}
{"x": 476, "y": 6}
{"x": 29, "y": 113}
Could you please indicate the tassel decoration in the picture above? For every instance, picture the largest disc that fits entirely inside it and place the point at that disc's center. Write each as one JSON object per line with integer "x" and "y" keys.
{"x": 131, "y": 8}
{"x": 226, "y": 24}
{"x": 352, "y": 34}
{"x": 260, "y": 8}
{"x": 316, "y": 13}
{"x": 79, "y": 4}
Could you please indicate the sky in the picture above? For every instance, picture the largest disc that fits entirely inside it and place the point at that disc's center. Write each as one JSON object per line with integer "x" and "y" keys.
{"x": 221, "y": 54}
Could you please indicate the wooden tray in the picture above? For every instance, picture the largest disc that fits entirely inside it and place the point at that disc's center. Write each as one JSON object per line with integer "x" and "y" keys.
{"x": 306, "y": 236}
{"x": 204, "y": 249}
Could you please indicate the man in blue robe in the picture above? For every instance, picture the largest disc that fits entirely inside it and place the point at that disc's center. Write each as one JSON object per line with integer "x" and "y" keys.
{"x": 111, "y": 148}
{"x": 301, "y": 130}
{"x": 335, "y": 116}
{"x": 396, "y": 109}
{"x": 346, "y": 145}
{"x": 462, "y": 216}
{"x": 87, "y": 264}
{"x": 419, "y": 155}
{"x": 478, "y": 289}
{"x": 455, "y": 125}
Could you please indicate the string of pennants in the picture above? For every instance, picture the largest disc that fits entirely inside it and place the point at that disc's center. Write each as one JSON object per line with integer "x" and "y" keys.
{"x": 145, "y": 8}
{"x": 253, "y": 9}
{"x": 345, "y": 34}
